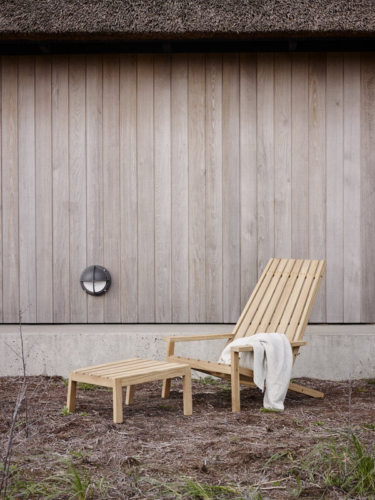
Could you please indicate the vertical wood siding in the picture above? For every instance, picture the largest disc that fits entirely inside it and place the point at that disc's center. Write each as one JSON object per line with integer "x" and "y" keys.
{"x": 183, "y": 174}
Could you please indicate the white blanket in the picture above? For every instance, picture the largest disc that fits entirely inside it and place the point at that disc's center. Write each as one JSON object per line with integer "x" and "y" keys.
{"x": 271, "y": 361}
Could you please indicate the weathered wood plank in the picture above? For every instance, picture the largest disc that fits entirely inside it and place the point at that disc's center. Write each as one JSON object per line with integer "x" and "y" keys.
{"x": 111, "y": 184}
{"x": 367, "y": 187}
{"x": 179, "y": 171}
{"x": 77, "y": 179}
{"x": 94, "y": 174}
{"x": 10, "y": 189}
{"x": 317, "y": 171}
{"x": 128, "y": 186}
{"x": 43, "y": 181}
{"x": 248, "y": 175}
{"x": 26, "y": 163}
{"x": 60, "y": 179}
{"x": 335, "y": 187}
{"x": 300, "y": 157}
{"x": 265, "y": 159}
{"x": 283, "y": 160}
{"x": 197, "y": 189}
{"x": 352, "y": 188}
{"x": 163, "y": 202}
{"x": 146, "y": 188}
{"x": 214, "y": 189}
{"x": 231, "y": 188}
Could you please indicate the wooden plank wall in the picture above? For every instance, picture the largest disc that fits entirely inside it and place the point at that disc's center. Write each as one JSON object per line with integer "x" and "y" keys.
{"x": 183, "y": 174}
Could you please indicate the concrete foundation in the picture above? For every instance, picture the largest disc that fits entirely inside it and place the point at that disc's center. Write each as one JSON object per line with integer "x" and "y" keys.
{"x": 334, "y": 352}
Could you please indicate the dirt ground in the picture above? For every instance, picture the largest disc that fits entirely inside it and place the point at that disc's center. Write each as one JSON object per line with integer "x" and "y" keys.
{"x": 157, "y": 447}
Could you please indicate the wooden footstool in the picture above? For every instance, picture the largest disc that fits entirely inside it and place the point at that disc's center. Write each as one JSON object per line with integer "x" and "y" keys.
{"x": 129, "y": 372}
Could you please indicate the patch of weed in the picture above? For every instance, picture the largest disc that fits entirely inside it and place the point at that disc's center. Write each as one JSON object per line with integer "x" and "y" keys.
{"x": 64, "y": 411}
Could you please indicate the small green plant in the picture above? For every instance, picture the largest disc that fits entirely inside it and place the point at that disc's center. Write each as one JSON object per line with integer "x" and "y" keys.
{"x": 370, "y": 427}
{"x": 87, "y": 387}
{"x": 165, "y": 407}
{"x": 319, "y": 424}
{"x": 201, "y": 491}
{"x": 64, "y": 411}
{"x": 208, "y": 381}
{"x": 267, "y": 410}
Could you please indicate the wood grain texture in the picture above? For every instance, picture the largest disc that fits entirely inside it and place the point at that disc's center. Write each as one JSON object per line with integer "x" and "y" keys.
{"x": 367, "y": 187}
{"x": 146, "y": 188}
{"x": 265, "y": 159}
{"x": 335, "y": 187}
{"x": 300, "y": 157}
{"x": 180, "y": 179}
{"x": 183, "y": 175}
{"x": 10, "y": 189}
{"x": 248, "y": 175}
{"x": 231, "y": 188}
{"x": 352, "y": 188}
{"x": 128, "y": 186}
{"x": 111, "y": 184}
{"x": 317, "y": 171}
{"x": 77, "y": 179}
{"x": 26, "y": 163}
{"x": 94, "y": 175}
{"x": 43, "y": 182}
{"x": 163, "y": 195}
{"x": 60, "y": 179}
{"x": 283, "y": 152}
{"x": 197, "y": 190}
{"x": 214, "y": 188}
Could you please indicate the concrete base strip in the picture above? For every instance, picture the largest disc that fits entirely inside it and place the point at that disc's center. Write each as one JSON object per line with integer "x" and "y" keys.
{"x": 334, "y": 352}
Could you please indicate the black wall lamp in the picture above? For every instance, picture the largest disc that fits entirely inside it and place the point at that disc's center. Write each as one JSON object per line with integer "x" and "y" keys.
{"x": 95, "y": 280}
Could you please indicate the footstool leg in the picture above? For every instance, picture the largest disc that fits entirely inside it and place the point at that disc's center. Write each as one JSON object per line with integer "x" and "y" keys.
{"x": 72, "y": 390}
{"x": 117, "y": 402}
{"x": 188, "y": 399}
{"x": 166, "y": 388}
{"x": 130, "y": 390}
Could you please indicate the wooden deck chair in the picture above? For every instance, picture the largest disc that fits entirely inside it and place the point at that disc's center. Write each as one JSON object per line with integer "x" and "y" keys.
{"x": 282, "y": 301}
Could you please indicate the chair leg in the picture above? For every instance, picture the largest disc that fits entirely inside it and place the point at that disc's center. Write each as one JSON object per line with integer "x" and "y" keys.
{"x": 235, "y": 381}
{"x": 72, "y": 391}
{"x": 167, "y": 382}
{"x": 187, "y": 394}
{"x": 130, "y": 390}
{"x": 166, "y": 388}
{"x": 117, "y": 402}
{"x": 305, "y": 390}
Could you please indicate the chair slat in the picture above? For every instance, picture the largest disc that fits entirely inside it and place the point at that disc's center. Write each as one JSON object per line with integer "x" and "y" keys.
{"x": 310, "y": 301}
{"x": 303, "y": 296}
{"x": 280, "y": 308}
{"x": 255, "y": 299}
{"x": 267, "y": 298}
{"x": 278, "y": 294}
{"x": 293, "y": 298}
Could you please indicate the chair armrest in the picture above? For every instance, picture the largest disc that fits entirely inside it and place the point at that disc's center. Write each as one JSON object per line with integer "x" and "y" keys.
{"x": 241, "y": 348}
{"x": 249, "y": 348}
{"x": 192, "y": 338}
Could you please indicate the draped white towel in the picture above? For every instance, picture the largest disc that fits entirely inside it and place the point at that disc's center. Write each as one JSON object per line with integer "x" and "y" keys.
{"x": 271, "y": 361}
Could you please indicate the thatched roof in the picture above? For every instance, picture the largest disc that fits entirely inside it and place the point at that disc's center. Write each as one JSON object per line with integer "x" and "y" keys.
{"x": 177, "y": 19}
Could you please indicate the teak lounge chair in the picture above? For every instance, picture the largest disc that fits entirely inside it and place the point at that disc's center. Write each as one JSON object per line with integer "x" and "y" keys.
{"x": 282, "y": 301}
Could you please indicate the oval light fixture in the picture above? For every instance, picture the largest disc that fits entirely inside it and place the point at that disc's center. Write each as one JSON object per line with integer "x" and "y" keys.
{"x": 95, "y": 280}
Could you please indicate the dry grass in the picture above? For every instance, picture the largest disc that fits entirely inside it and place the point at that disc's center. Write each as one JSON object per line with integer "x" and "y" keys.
{"x": 160, "y": 453}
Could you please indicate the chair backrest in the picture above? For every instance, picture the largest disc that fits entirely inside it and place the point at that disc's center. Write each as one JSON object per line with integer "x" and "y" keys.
{"x": 283, "y": 298}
